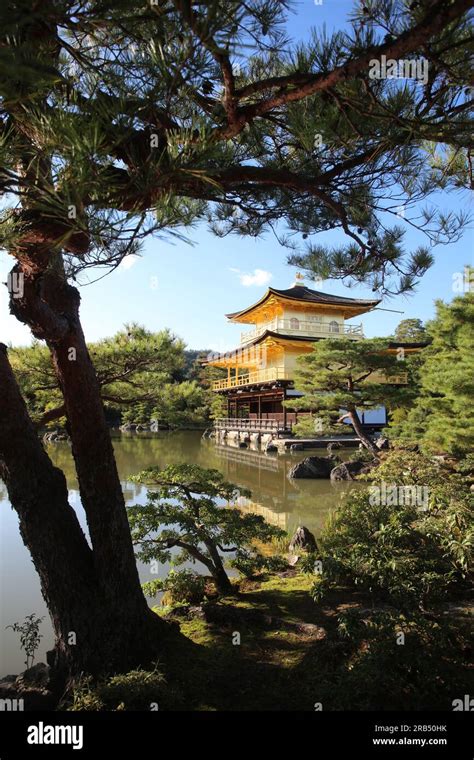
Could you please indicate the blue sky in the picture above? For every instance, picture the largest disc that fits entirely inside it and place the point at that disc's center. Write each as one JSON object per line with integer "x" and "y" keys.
{"x": 190, "y": 288}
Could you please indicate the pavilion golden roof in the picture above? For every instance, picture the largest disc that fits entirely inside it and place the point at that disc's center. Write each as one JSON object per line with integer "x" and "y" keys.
{"x": 302, "y": 296}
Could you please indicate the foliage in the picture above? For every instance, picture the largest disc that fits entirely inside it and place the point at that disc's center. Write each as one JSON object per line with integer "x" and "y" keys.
{"x": 359, "y": 663}
{"x": 30, "y": 636}
{"x": 181, "y": 404}
{"x": 411, "y": 331}
{"x": 441, "y": 419}
{"x": 466, "y": 467}
{"x": 217, "y": 404}
{"x": 189, "y": 508}
{"x": 179, "y": 587}
{"x": 141, "y": 375}
{"x": 249, "y": 563}
{"x": 398, "y": 661}
{"x": 151, "y": 119}
{"x": 135, "y": 690}
{"x": 410, "y": 548}
{"x": 340, "y": 377}
{"x": 307, "y": 562}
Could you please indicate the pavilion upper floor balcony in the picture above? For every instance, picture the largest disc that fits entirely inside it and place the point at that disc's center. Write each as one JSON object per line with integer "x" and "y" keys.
{"x": 302, "y": 328}
{"x": 278, "y": 373}
{"x": 251, "y": 378}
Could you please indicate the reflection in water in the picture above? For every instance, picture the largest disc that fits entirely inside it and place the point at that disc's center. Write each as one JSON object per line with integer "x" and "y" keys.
{"x": 281, "y": 501}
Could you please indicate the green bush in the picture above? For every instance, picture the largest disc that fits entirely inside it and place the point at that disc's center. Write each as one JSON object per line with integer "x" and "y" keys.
{"x": 307, "y": 563}
{"x": 275, "y": 563}
{"x": 373, "y": 665}
{"x": 179, "y": 587}
{"x": 30, "y": 636}
{"x": 249, "y": 564}
{"x": 408, "y": 553}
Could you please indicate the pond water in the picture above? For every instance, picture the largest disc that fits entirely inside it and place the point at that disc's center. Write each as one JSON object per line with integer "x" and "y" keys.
{"x": 283, "y": 502}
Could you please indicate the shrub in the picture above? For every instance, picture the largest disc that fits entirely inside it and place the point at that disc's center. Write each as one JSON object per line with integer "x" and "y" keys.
{"x": 409, "y": 553}
{"x": 179, "y": 587}
{"x": 30, "y": 636}
{"x": 307, "y": 563}
{"x": 374, "y": 666}
{"x": 249, "y": 563}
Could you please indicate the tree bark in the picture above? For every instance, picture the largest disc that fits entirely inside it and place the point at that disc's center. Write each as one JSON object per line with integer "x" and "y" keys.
{"x": 48, "y": 525}
{"x": 113, "y": 625}
{"x": 91, "y": 635}
{"x": 223, "y": 584}
{"x": 213, "y": 562}
{"x": 359, "y": 431}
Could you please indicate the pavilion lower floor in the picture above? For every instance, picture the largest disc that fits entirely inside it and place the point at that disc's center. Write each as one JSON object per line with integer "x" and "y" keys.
{"x": 260, "y": 410}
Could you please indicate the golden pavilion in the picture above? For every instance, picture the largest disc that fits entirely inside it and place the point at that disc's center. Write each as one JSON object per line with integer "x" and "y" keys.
{"x": 283, "y": 325}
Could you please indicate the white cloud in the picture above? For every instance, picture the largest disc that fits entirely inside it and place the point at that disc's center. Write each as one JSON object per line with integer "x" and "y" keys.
{"x": 128, "y": 262}
{"x": 257, "y": 277}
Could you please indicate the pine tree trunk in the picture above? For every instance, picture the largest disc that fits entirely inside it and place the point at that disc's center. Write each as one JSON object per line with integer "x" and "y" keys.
{"x": 99, "y": 484}
{"x": 223, "y": 584}
{"x": 359, "y": 431}
{"x": 93, "y": 594}
{"x": 221, "y": 579}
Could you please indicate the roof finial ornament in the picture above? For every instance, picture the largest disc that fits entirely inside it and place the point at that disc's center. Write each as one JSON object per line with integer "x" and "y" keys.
{"x": 299, "y": 280}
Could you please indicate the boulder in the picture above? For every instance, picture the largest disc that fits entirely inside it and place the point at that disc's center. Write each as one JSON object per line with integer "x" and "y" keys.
{"x": 303, "y": 539}
{"x": 312, "y": 467}
{"x": 243, "y": 445}
{"x": 128, "y": 427}
{"x": 32, "y": 687}
{"x": 312, "y": 631}
{"x": 296, "y": 447}
{"x": 142, "y": 427}
{"x": 382, "y": 443}
{"x": 271, "y": 447}
{"x": 349, "y": 470}
{"x": 333, "y": 445}
{"x": 37, "y": 675}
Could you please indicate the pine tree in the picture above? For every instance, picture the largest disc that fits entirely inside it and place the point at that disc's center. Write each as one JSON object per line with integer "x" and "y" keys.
{"x": 132, "y": 368}
{"x": 411, "y": 331}
{"x": 120, "y": 120}
{"x": 442, "y": 417}
{"x": 341, "y": 378}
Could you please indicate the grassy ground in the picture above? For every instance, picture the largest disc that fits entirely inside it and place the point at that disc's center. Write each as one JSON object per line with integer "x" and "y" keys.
{"x": 293, "y": 656}
{"x": 271, "y": 647}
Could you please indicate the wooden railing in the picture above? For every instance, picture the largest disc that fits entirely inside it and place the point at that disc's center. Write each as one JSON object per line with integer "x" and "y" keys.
{"x": 249, "y": 425}
{"x": 277, "y": 373}
{"x": 251, "y": 378}
{"x": 303, "y": 328}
